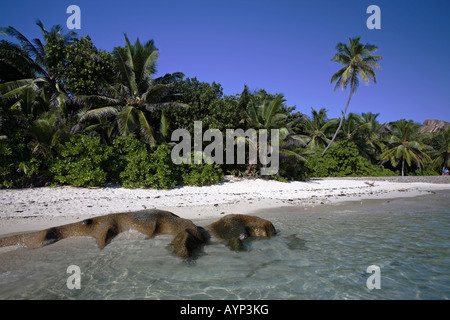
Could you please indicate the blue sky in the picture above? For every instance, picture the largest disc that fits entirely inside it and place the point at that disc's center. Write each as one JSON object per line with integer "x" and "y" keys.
{"x": 283, "y": 46}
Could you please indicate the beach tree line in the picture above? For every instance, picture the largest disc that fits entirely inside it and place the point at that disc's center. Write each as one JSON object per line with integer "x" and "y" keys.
{"x": 71, "y": 113}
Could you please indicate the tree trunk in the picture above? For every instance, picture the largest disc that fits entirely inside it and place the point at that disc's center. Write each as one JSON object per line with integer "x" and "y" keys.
{"x": 445, "y": 162}
{"x": 403, "y": 167}
{"x": 340, "y": 124}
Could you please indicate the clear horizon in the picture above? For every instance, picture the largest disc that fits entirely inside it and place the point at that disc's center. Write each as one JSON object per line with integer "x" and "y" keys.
{"x": 280, "y": 46}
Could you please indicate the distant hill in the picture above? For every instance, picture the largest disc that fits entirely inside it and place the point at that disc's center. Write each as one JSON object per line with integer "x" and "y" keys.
{"x": 431, "y": 125}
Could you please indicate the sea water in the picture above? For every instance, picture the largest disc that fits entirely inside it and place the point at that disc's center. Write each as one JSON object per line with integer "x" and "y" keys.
{"x": 318, "y": 253}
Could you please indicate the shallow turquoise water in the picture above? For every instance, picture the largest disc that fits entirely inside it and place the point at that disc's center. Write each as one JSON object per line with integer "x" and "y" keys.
{"x": 319, "y": 253}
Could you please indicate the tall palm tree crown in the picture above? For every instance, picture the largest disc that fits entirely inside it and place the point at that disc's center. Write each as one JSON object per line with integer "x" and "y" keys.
{"x": 359, "y": 63}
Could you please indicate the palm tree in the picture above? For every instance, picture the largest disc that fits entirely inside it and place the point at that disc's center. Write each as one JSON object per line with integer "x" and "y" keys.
{"x": 317, "y": 129}
{"x": 352, "y": 127}
{"x": 42, "y": 58}
{"x": 136, "y": 95}
{"x": 405, "y": 145}
{"x": 358, "y": 63}
{"x": 47, "y": 133}
{"x": 371, "y": 124}
{"x": 266, "y": 115}
{"x": 441, "y": 152}
{"x": 370, "y": 130}
{"x": 363, "y": 131}
{"x": 262, "y": 111}
{"x": 15, "y": 64}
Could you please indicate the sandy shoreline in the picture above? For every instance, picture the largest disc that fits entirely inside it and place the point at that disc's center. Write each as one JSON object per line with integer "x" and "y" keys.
{"x": 38, "y": 208}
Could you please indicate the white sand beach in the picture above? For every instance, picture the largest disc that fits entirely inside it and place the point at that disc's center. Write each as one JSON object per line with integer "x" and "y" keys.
{"x": 39, "y": 208}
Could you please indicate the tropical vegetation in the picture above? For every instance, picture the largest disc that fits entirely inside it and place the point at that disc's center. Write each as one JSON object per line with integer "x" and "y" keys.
{"x": 73, "y": 114}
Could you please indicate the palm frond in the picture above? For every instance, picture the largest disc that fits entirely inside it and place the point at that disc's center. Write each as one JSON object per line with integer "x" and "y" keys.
{"x": 148, "y": 68}
{"x": 163, "y": 105}
{"x": 100, "y": 113}
{"x": 7, "y": 89}
{"x": 124, "y": 61}
{"x": 156, "y": 93}
{"x": 169, "y": 78}
{"x": 293, "y": 153}
{"x": 96, "y": 100}
{"x": 145, "y": 129}
{"x": 273, "y": 108}
{"x": 26, "y": 44}
{"x": 127, "y": 121}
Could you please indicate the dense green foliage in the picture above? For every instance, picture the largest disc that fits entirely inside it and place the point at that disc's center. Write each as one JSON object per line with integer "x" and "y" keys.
{"x": 145, "y": 167}
{"x": 83, "y": 66}
{"x": 207, "y": 103}
{"x": 344, "y": 160}
{"x": 83, "y": 162}
{"x": 13, "y": 155}
{"x": 73, "y": 114}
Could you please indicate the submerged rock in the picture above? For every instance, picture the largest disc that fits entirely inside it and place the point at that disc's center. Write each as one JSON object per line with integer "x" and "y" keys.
{"x": 151, "y": 222}
{"x": 234, "y": 228}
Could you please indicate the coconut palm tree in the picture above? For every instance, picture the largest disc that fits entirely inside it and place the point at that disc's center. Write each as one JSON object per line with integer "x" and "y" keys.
{"x": 317, "y": 129}
{"x": 136, "y": 95}
{"x": 370, "y": 129}
{"x": 262, "y": 111}
{"x": 359, "y": 63}
{"x": 371, "y": 124}
{"x": 47, "y": 133}
{"x": 363, "y": 131}
{"x": 352, "y": 127}
{"x": 405, "y": 145}
{"x": 42, "y": 58}
{"x": 266, "y": 115}
{"x": 441, "y": 152}
{"x": 32, "y": 95}
{"x": 15, "y": 64}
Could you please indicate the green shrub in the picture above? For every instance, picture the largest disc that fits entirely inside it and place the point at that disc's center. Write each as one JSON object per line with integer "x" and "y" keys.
{"x": 344, "y": 160}
{"x": 133, "y": 158}
{"x": 166, "y": 174}
{"x": 84, "y": 161}
{"x": 144, "y": 166}
{"x": 425, "y": 172}
{"x": 202, "y": 174}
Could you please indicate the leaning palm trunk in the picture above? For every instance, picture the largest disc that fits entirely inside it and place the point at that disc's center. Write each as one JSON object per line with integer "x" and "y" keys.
{"x": 340, "y": 125}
